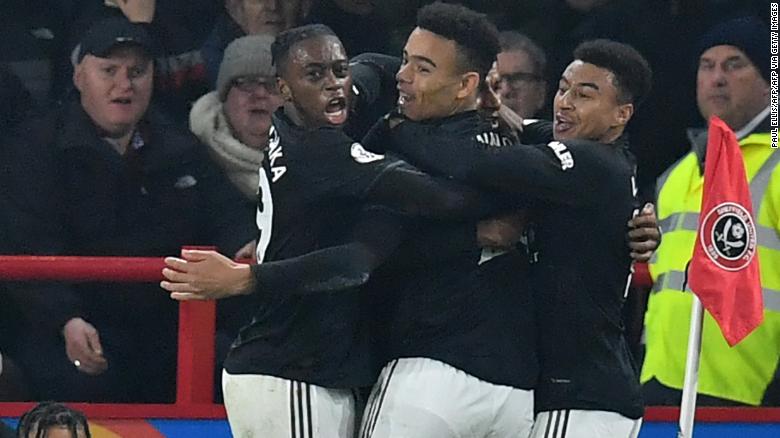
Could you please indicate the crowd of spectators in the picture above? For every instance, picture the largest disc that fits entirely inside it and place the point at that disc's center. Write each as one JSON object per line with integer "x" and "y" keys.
{"x": 99, "y": 162}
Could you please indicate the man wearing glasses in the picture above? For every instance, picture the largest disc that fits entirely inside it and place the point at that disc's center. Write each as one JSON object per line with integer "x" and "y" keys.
{"x": 234, "y": 119}
{"x": 520, "y": 75}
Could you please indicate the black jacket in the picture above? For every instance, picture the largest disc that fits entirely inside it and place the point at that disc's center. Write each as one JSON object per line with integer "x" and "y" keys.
{"x": 67, "y": 191}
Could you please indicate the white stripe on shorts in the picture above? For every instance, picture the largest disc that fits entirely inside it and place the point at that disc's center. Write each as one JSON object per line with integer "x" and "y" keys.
{"x": 577, "y": 423}
{"x": 300, "y": 410}
{"x": 375, "y": 403}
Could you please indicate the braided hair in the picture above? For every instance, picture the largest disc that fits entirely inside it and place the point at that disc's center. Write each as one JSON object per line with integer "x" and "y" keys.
{"x": 280, "y": 49}
{"x": 50, "y": 414}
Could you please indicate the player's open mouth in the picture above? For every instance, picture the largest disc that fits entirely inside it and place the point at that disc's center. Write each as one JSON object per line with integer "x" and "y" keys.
{"x": 404, "y": 98}
{"x": 336, "y": 111}
{"x": 122, "y": 101}
{"x": 562, "y": 124}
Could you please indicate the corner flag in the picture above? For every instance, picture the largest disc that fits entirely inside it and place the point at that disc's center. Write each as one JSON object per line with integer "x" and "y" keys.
{"x": 724, "y": 270}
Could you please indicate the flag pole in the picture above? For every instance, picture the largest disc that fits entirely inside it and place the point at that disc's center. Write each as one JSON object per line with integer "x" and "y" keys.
{"x": 691, "y": 382}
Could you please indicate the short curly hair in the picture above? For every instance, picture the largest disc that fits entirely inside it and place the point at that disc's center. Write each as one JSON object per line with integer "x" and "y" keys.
{"x": 475, "y": 36}
{"x": 280, "y": 49}
{"x": 633, "y": 75}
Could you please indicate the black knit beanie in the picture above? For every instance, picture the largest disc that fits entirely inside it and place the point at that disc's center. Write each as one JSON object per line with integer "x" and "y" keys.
{"x": 749, "y": 34}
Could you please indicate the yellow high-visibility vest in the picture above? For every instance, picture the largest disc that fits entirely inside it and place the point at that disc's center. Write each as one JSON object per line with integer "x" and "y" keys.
{"x": 741, "y": 373}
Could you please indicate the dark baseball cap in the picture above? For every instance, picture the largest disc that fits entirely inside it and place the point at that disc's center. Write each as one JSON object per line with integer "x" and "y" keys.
{"x": 108, "y": 33}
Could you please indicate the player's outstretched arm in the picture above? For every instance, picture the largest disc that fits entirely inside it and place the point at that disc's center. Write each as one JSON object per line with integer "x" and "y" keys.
{"x": 411, "y": 191}
{"x": 558, "y": 172}
{"x": 204, "y": 275}
{"x": 374, "y": 238}
{"x": 415, "y": 193}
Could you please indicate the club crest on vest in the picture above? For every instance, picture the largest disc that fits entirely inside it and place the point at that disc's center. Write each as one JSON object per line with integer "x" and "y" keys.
{"x": 362, "y": 156}
{"x": 728, "y": 235}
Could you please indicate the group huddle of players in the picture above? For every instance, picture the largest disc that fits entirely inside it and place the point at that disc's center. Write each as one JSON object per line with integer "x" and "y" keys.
{"x": 469, "y": 268}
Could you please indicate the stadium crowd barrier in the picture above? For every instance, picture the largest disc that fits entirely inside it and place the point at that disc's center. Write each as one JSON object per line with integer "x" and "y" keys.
{"x": 195, "y": 368}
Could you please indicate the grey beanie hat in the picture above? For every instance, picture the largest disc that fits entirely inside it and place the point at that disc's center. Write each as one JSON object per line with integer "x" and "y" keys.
{"x": 246, "y": 56}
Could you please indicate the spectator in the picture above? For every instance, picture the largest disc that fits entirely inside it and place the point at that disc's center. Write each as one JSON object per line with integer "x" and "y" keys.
{"x": 358, "y": 23}
{"x": 179, "y": 29}
{"x": 53, "y": 420}
{"x": 249, "y": 17}
{"x": 107, "y": 175}
{"x": 234, "y": 119}
{"x": 521, "y": 68}
{"x": 732, "y": 83}
{"x": 14, "y": 103}
{"x": 30, "y": 36}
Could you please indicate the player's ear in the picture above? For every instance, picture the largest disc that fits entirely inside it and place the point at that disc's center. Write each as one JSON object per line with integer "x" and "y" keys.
{"x": 624, "y": 113}
{"x": 284, "y": 89}
{"x": 469, "y": 83}
{"x": 78, "y": 76}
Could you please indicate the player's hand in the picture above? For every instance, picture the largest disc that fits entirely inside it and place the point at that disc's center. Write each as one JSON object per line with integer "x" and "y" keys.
{"x": 488, "y": 98}
{"x": 205, "y": 275}
{"x": 511, "y": 118}
{"x": 247, "y": 252}
{"x": 644, "y": 235}
{"x": 137, "y": 11}
{"x": 82, "y": 346}
{"x": 502, "y": 232}
{"x": 493, "y": 77}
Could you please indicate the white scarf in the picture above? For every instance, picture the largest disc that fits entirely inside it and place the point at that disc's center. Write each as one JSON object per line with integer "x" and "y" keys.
{"x": 240, "y": 162}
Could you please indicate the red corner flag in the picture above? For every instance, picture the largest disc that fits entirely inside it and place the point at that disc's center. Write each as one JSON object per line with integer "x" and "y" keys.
{"x": 724, "y": 268}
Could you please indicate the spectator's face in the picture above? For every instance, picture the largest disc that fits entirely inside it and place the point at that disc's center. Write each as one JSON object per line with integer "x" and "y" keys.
{"x": 316, "y": 80}
{"x": 430, "y": 84}
{"x": 521, "y": 87}
{"x": 115, "y": 91}
{"x": 586, "y": 105}
{"x": 729, "y": 86}
{"x": 248, "y": 107}
{"x": 267, "y": 17}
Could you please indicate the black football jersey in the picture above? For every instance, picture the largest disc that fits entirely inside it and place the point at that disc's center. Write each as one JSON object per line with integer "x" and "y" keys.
{"x": 579, "y": 261}
{"x": 311, "y": 187}
{"x": 474, "y": 312}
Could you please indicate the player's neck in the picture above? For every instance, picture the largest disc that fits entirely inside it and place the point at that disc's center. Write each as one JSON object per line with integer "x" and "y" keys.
{"x": 292, "y": 112}
{"x": 611, "y": 135}
{"x": 463, "y": 105}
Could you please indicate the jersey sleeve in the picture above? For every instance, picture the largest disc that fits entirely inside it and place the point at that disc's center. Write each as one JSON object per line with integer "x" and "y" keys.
{"x": 536, "y": 132}
{"x": 348, "y": 170}
{"x": 375, "y": 237}
{"x": 561, "y": 172}
{"x": 338, "y": 167}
